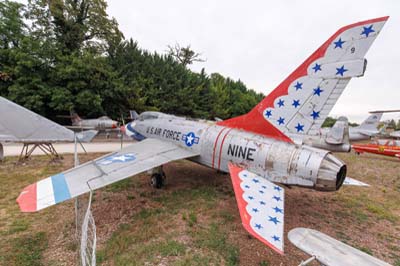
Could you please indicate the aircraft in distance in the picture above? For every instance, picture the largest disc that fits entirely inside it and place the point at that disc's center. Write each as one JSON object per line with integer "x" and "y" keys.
{"x": 18, "y": 124}
{"x": 254, "y": 148}
{"x": 329, "y": 251}
{"x": 367, "y": 129}
{"x": 102, "y": 123}
{"x": 388, "y": 147}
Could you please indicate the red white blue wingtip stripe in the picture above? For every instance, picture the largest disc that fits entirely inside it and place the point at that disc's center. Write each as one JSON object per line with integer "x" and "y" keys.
{"x": 44, "y": 193}
{"x": 261, "y": 206}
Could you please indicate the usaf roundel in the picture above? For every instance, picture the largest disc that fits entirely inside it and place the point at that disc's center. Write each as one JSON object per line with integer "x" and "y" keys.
{"x": 190, "y": 139}
{"x": 117, "y": 158}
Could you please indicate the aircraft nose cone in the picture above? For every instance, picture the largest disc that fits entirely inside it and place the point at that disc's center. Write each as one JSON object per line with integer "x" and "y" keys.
{"x": 27, "y": 199}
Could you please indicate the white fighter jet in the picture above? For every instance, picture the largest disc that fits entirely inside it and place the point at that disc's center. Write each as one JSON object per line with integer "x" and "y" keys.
{"x": 254, "y": 148}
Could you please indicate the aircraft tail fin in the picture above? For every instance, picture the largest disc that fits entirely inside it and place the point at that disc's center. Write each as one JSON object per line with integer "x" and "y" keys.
{"x": 133, "y": 114}
{"x": 303, "y": 100}
{"x": 339, "y": 133}
{"x": 87, "y": 135}
{"x": 74, "y": 117}
{"x": 372, "y": 122}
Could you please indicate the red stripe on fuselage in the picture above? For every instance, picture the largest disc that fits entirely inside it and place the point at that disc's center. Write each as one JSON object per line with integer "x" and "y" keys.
{"x": 215, "y": 145}
{"x": 220, "y": 149}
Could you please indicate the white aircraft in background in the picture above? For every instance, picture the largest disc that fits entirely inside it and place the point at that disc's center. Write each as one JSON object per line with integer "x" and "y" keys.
{"x": 254, "y": 148}
{"x": 365, "y": 131}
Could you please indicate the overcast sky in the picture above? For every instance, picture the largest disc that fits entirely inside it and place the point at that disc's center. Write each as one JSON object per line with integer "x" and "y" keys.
{"x": 262, "y": 42}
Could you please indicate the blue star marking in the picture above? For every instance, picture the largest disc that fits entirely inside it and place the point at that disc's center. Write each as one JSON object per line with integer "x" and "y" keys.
{"x": 276, "y": 238}
{"x": 299, "y": 127}
{"x": 190, "y": 139}
{"x": 261, "y": 192}
{"x": 298, "y": 86}
{"x": 315, "y": 114}
{"x": 339, "y": 43}
{"x": 255, "y": 210}
{"x": 277, "y": 210}
{"x": 262, "y": 202}
{"x": 281, "y": 103}
{"x": 273, "y": 219}
{"x": 264, "y": 187}
{"x": 317, "y": 67}
{"x": 296, "y": 103}
{"x": 250, "y": 197}
{"x": 277, "y": 198}
{"x": 245, "y": 175}
{"x": 277, "y": 188}
{"x": 367, "y": 31}
{"x": 247, "y": 186}
{"x": 117, "y": 158}
{"x": 268, "y": 113}
{"x": 255, "y": 180}
{"x": 317, "y": 91}
{"x": 281, "y": 120}
{"x": 258, "y": 226}
{"x": 340, "y": 71}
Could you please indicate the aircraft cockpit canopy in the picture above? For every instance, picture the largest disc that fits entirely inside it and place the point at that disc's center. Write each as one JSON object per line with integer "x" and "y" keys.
{"x": 149, "y": 115}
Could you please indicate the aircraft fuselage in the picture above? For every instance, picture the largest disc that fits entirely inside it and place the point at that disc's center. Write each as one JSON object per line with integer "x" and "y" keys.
{"x": 216, "y": 145}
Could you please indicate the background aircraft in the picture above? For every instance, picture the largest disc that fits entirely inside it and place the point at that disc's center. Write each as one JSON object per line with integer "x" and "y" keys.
{"x": 367, "y": 129}
{"x": 18, "y": 124}
{"x": 102, "y": 123}
{"x": 254, "y": 148}
{"x": 388, "y": 147}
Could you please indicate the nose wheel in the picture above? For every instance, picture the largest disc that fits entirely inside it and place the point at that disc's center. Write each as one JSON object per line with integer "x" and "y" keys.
{"x": 158, "y": 178}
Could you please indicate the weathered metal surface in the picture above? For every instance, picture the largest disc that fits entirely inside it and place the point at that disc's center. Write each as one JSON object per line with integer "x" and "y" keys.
{"x": 330, "y": 251}
{"x": 18, "y": 124}
{"x": 275, "y": 160}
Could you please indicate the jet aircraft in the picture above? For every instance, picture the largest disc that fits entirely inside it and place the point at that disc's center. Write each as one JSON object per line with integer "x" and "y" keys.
{"x": 367, "y": 129}
{"x": 103, "y": 123}
{"x": 254, "y": 148}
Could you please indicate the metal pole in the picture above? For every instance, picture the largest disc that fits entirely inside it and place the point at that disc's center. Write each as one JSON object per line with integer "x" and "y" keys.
{"x": 304, "y": 263}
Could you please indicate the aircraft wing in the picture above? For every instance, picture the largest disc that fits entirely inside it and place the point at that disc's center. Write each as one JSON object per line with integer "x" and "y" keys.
{"x": 261, "y": 206}
{"x": 19, "y": 124}
{"x": 113, "y": 167}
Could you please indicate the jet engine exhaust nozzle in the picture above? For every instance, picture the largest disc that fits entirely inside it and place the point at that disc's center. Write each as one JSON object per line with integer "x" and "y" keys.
{"x": 331, "y": 174}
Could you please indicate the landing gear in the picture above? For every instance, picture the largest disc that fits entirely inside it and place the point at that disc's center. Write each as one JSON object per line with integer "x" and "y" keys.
{"x": 158, "y": 178}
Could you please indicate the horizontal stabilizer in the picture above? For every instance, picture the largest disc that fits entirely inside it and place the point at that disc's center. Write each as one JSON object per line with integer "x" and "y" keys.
{"x": 261, "y": 206}
{"x": 329, "y": 251}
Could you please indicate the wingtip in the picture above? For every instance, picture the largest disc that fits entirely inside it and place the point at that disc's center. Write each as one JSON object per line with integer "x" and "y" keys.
{"x": 27, "y": 199}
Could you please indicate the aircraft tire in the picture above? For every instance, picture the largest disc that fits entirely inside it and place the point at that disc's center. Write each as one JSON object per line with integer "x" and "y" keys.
{"x": 157, "y": 181}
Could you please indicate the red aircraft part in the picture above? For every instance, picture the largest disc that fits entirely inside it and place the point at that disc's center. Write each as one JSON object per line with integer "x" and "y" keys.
{"x": 386, "y": 149}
